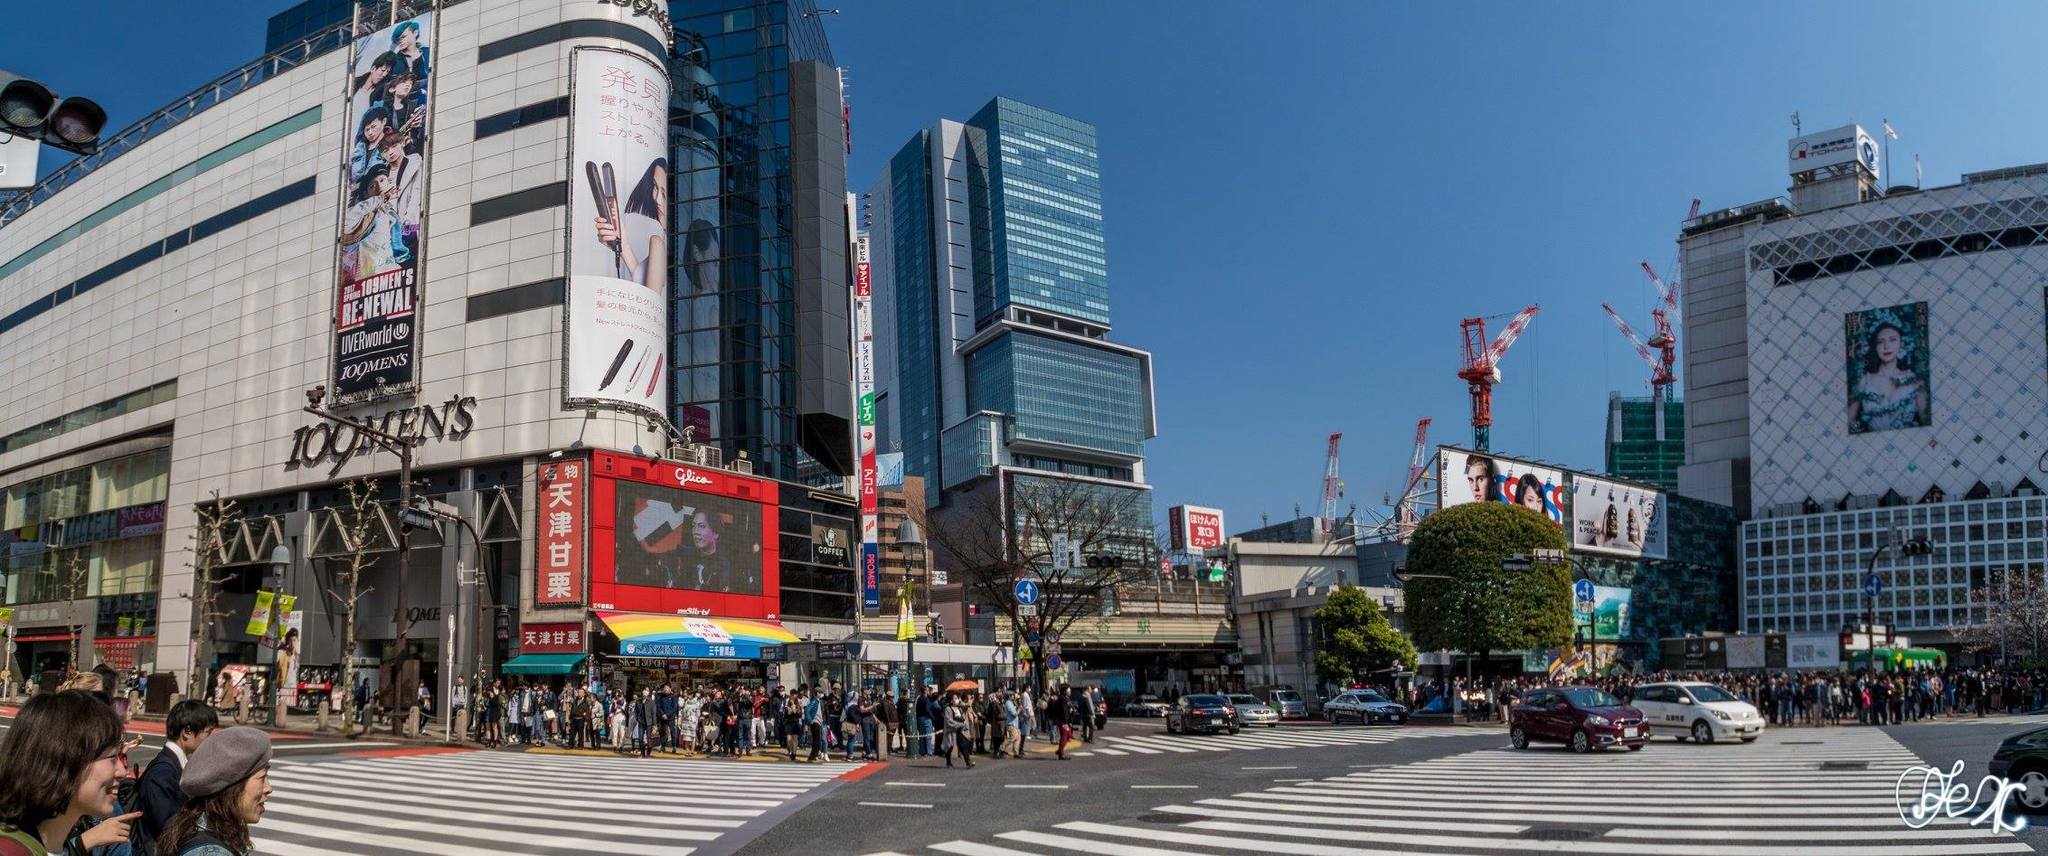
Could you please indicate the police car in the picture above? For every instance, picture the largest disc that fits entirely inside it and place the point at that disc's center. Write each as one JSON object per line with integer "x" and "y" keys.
{"x": 1697, "y": 711}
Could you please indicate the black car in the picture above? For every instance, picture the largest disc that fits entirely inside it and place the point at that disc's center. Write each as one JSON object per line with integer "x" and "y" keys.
{"x": 1204, "y": 712}
{"x": 2023, "y": 758}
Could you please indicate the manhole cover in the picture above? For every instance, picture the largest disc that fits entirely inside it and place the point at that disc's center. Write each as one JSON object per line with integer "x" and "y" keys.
{"x": 1844, "y": 766}
{"x": 1562, "y": 833}
{"x": 1160, "y": 817}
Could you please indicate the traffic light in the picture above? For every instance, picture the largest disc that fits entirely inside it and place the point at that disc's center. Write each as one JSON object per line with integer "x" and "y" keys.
{"x": 1916, "y": 547}
{"x": 1104, "y": 561}
{"x": 503, "y": 622}
{"x": 29, "y": 109}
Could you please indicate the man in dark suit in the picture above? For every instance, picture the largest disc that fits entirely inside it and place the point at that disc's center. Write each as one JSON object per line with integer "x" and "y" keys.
{"x": 157, "y": 794}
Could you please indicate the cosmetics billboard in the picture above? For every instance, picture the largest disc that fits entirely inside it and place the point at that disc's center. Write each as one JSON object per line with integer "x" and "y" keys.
{"x": 616, "y": 347}
{"x": 1464, "y": 476}
{"x": 1616, "y": 519}
{"x": 384, "y": 189}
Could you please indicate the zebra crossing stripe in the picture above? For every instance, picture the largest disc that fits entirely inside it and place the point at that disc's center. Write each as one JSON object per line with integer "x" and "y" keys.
{"x": 1776, "y": 796}
{"x": 486, "y": 804}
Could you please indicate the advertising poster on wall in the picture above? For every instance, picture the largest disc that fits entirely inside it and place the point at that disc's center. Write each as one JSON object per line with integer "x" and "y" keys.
{"x": 870, "y": 475}
{"x": 617, "y": 315}
{"x": 1813, "y": 651}
{"x": 1610, "y": 612}
{"x": 1616, "y": 519}
{"x": 1476, "y": 476}
{"x": 1887, "y": 368}
{"x": 384, "y": 190}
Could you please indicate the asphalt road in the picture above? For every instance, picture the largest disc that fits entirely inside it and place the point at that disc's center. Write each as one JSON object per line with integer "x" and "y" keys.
{"x": 911, "y": 804}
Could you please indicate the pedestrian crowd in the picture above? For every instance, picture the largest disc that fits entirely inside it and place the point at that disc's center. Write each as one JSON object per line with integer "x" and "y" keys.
{"x": 67, "y": 786}
{"x": 736, "y": 720}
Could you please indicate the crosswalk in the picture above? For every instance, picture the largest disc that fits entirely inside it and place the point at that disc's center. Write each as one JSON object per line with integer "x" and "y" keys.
{"x": 489, "y": 803}
{"x": 1828, "y": 795}
{"x": 1162, "y": 743}
{"x": 2023, "y": 721}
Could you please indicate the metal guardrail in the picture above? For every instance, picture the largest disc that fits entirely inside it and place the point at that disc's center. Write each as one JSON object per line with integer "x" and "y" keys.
{"x": 192, "y": 104}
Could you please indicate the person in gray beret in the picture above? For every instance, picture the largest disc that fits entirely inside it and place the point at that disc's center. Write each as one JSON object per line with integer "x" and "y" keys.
{"x": 227, "y": 781}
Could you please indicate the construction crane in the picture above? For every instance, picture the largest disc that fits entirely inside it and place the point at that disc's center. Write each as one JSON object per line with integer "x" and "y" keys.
{"x": 1333, "y": 490}
{"x": 1482, "y": 368}
{"x": 1405, "y": 516}
{"x": 1663, "y": 364}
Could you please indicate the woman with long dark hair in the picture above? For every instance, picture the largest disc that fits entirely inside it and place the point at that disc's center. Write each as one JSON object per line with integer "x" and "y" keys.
{"x": 648, "y": 227}
{"x": 228, "y": 781}
{"x": 59, "y": 763}
{"x": 1891, "y": 394}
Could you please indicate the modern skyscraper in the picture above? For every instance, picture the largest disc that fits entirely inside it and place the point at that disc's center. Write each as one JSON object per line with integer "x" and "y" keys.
{"x": 992, "y": 313}
{"x": 1641, "y": 449}
{"x": 760, "y": 316}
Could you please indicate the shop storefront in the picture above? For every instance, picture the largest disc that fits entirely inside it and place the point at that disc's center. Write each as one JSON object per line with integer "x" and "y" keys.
{"x": 647, "y": 649}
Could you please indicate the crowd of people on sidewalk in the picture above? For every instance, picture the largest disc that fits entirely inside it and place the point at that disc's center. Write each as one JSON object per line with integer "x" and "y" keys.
{"x": 735, "y": 720}
{"x": 1788, "y": 698}
{"x": 67, "y": 786}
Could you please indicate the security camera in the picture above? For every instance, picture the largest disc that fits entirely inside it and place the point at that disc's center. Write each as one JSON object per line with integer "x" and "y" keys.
{"x": 315, "y": 395}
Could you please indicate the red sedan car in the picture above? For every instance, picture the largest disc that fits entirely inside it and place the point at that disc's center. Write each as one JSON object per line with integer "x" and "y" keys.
{"x": 1583, "y": 718}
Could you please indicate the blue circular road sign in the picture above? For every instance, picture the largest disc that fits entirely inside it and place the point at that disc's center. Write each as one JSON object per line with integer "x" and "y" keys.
{"x": 1027, "y": 592}
{"x": 1583, "y": 590}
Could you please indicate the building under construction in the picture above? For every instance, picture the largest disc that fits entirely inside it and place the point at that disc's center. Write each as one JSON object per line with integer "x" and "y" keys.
{"x": 1635, "y": 449}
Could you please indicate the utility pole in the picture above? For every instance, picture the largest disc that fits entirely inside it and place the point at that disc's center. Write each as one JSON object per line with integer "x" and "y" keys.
{"x": 403, "y": 448}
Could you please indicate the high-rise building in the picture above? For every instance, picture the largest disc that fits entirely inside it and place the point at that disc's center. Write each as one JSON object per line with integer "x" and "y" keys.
{"x": 1641, "y": 447}
{"x": 992, "y": 314}
{"x": 762, "y": 340}
{"x": 1863, "y": 366}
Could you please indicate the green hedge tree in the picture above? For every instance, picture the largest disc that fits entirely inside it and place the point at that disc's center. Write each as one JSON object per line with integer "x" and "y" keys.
{"x": 1357, "y": 639}
{"x": 1481, "y": 608}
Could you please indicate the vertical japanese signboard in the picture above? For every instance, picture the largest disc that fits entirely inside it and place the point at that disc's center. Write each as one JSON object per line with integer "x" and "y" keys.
{"x": 383, "y": 199}
{"x": 616, "y": 347}
{"x": 558, "y": 561}
{"x": 864, "y": 371}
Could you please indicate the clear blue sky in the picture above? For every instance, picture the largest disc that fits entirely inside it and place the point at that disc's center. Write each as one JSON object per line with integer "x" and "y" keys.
{"x": 1303, "y": 199}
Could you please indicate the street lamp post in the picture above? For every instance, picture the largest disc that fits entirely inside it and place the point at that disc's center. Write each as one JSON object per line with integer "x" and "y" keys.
{"x": 403, "y": 448}
{"x": 1546, "y": 555}
{"x": 1872, "y": 587}
{"x": 908, "y": 536}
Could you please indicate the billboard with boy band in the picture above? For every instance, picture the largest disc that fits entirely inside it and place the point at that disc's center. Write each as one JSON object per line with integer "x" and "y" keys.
{"x": 384, "y": 188}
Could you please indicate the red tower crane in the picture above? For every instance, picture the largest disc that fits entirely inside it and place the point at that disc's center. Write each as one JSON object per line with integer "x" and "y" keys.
{"x": 1333, "y": 490}
{"x": 1482, "y": 368}
{"x": 1405, "y": 517}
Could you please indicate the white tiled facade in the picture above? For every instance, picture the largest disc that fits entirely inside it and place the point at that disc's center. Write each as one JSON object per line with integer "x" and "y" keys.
{"x": 1824, "y": 498}
{"x": 241, "y": 320}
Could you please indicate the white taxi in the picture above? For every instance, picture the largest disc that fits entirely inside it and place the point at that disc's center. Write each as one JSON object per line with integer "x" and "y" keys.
{"x": 1701, "y": 712}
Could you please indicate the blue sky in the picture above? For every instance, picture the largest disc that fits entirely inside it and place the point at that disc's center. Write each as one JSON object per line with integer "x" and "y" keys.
{"x": 1303, "y": 199}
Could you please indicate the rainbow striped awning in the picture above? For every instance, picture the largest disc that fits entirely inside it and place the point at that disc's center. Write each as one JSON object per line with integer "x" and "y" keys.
{"x": 645, "y": 635}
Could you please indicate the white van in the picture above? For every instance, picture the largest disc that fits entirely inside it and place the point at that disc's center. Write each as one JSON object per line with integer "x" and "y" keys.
{"x": 1701, "y": 712}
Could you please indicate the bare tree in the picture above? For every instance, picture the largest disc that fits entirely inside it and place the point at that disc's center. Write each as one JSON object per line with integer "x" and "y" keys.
{"x": 2014, "y": 606}
{"x": 209, "y": 552}
{"x": 75, "y": 585}
{"x": 990, "y": 542}
{"x": 361, "y": 515}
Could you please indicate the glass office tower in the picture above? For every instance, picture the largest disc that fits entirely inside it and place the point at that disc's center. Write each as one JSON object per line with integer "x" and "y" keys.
{"x": 761, "y": 341}
{"x": 992, "y": 312}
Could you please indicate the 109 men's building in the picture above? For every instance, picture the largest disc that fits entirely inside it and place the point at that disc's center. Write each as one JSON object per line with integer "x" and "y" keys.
{"x": 497, "y": 236}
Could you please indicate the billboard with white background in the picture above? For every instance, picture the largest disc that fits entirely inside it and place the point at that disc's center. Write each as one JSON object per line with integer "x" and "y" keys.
{"x": 1466, "y": 476}
{"x": 1616, "y": 519}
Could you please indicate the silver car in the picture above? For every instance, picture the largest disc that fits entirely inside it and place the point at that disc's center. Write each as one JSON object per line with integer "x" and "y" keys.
{"x": 1251, "y": 711}
{"x": 1288, "y": 703}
